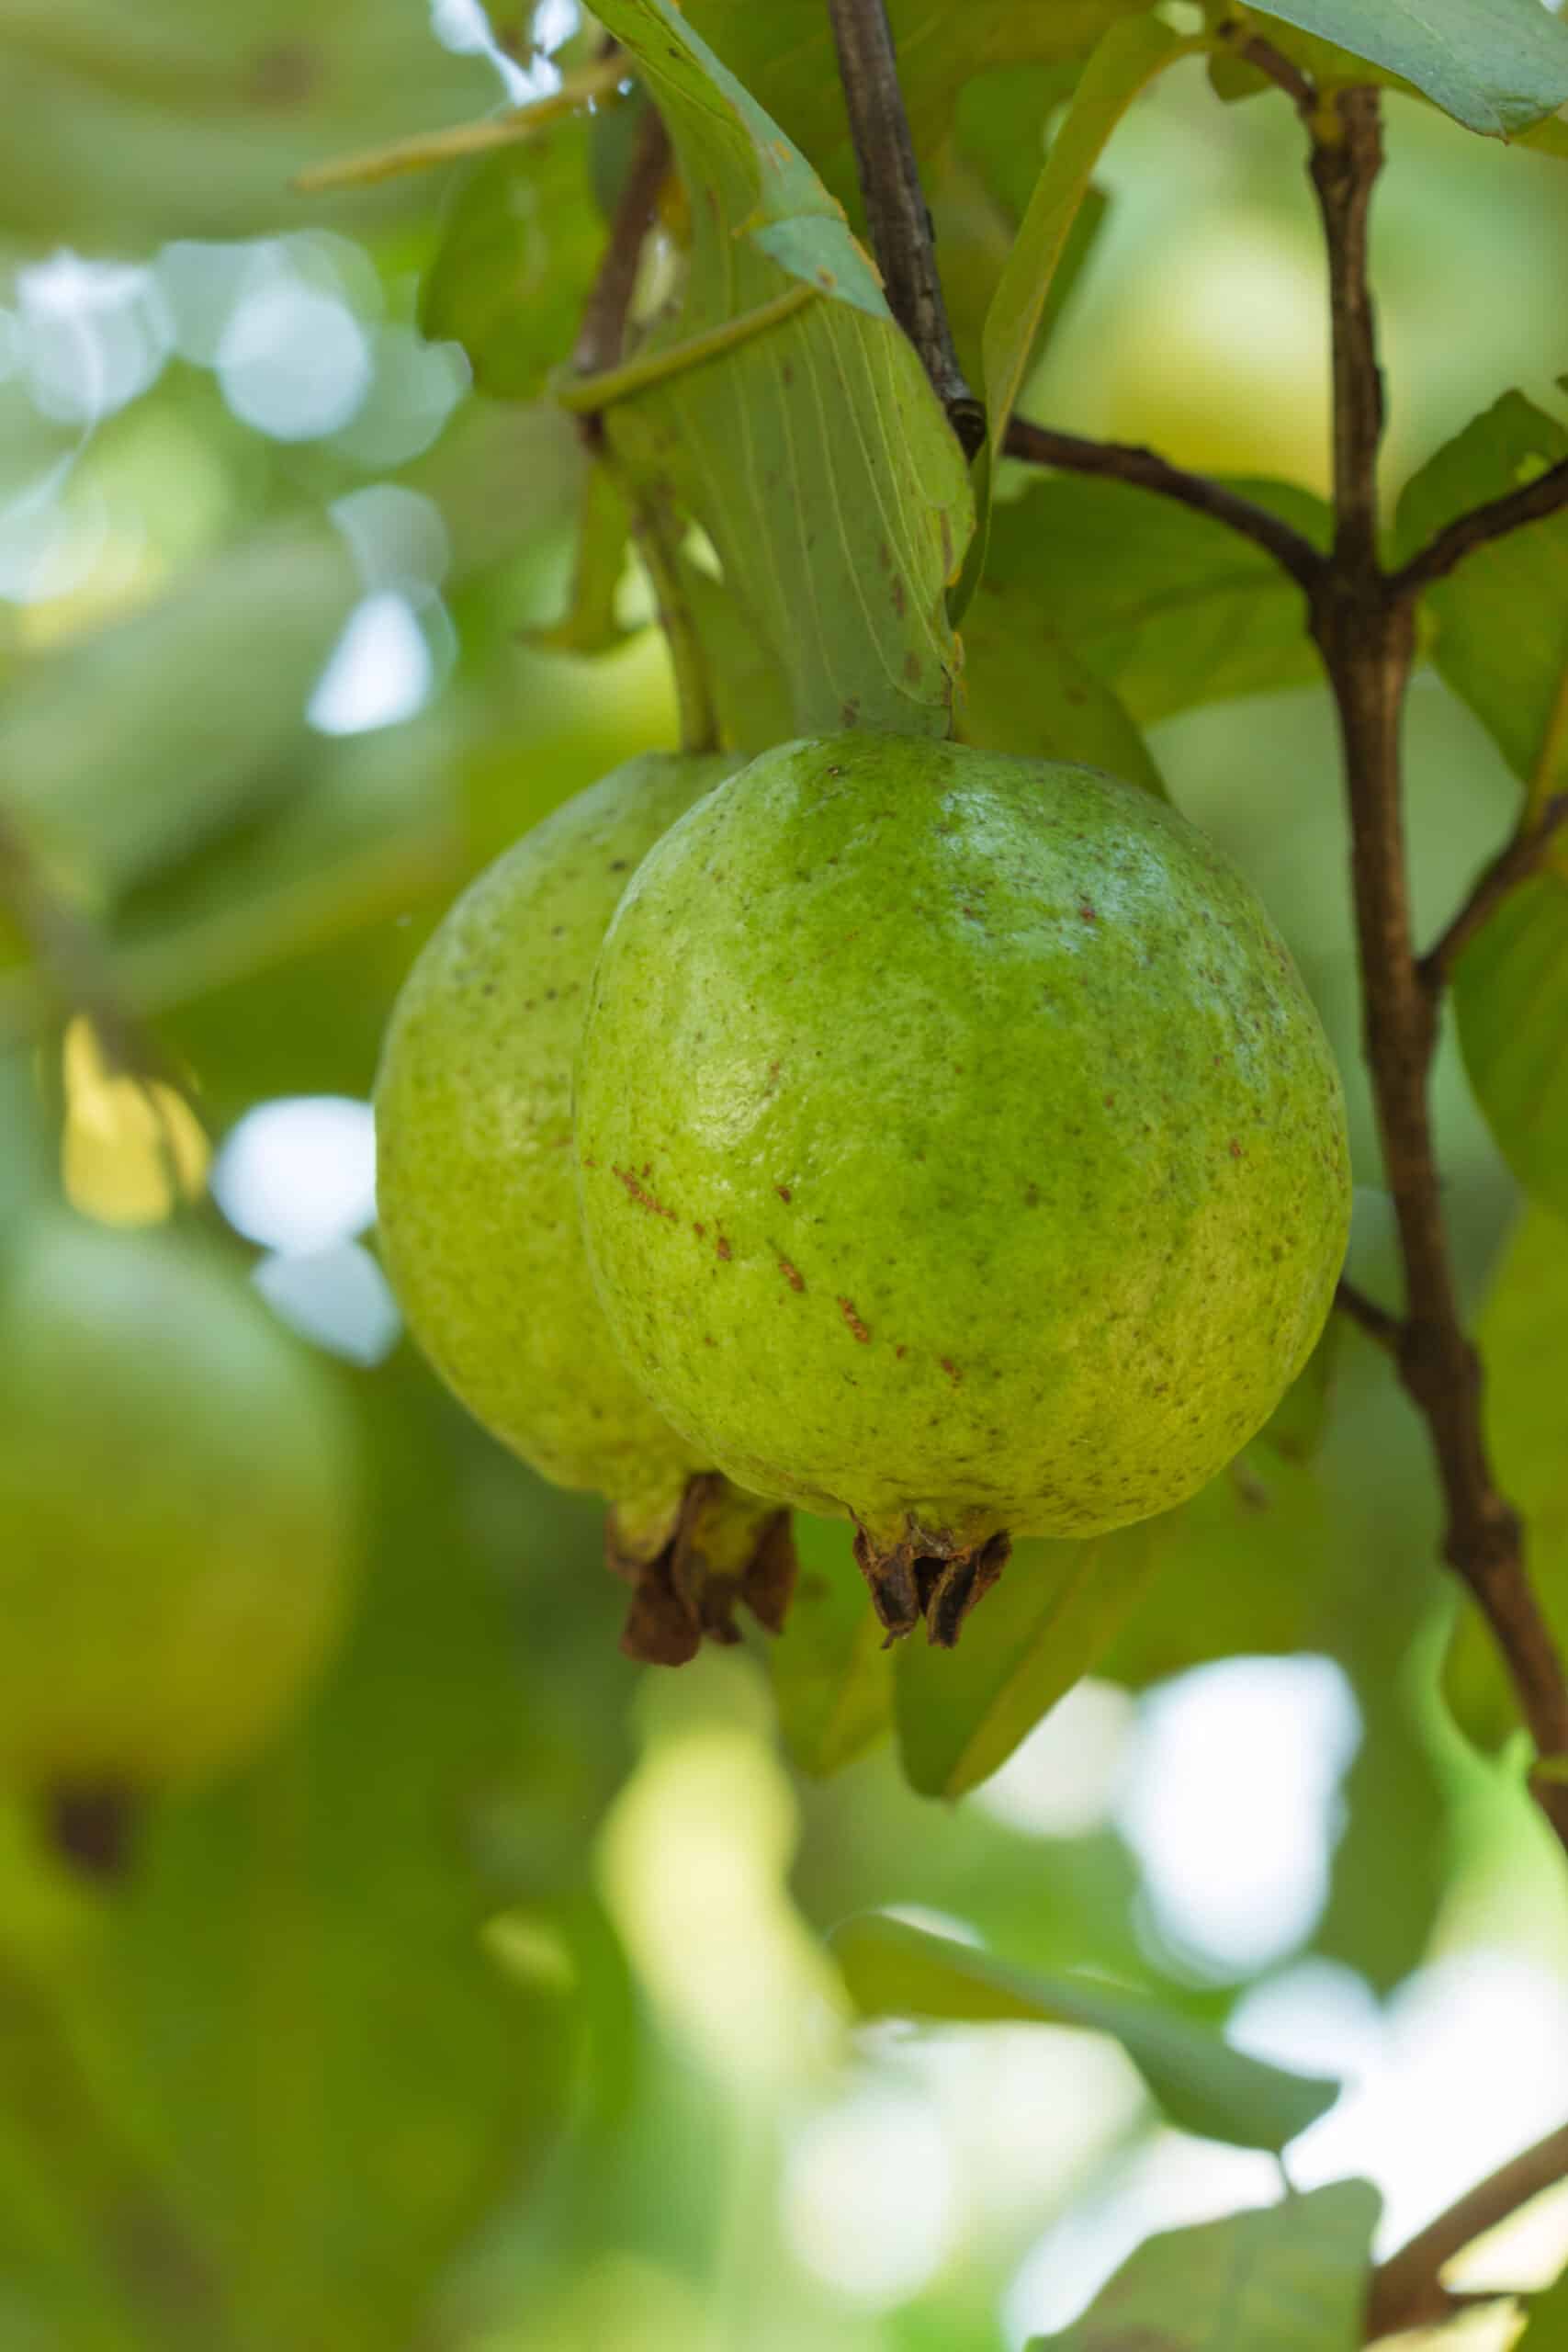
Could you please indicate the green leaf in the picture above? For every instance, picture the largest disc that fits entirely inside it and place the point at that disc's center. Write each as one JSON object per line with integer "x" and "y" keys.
{"x": 1296, "y": 1425}
{"x": 1523, "y": 1338}
{"x": 189, "y": 122}
{"x": 342, "y": 2121}
{"x": 1203, "y": 2084}
{"x": 520, "y": 243}
{"x": 832, "y": 1677}
{"x": 1511, "y": 1003}
{"x": 141, "y": 742}
{"x": 961, "y": 1712}
{"x": 1130, "y": 54}
{"x": 1548, "y": 2329}
{"x": 751, "y": 691}
{"x": 1028, "y": 692}
{"x": 1290, "y": 2278}
{"x": 1245, "y": 1570}
{"x": 815, "y": 454}
{"x": 1500, "y": 621}
{"x": 1495, "y": 65}
{"x": 1168, "y": 608}
{"x": 784, "y": 55}
{"x": 1500, "y": 638}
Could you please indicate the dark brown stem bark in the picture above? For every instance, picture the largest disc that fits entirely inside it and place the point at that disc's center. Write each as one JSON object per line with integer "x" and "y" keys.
{"x": 1407, "y": 2290}
{"x": 1548, "y": 494}
{"x": 1376, "y": 1322}
{"x": 601, "y": 338}
{"x": 1364, "y": 625}
{"x": 1119, "y": 461}
{"x": 897, "y": 219}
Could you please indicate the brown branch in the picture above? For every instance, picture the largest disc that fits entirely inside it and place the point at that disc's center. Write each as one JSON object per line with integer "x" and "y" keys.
{"x": 1407, "y": 2290}
{"x": 896, "y": 219}
{"x": 73, "y": 960}
{"x": 1548, "y": 494}
{"x": 1512, "y": 864}
{"x": 1280, "y": 70}
{"x": 600, "y": 342}
{"x": 601, "y": 338}
{"x": 1364, "y": 627}
{"x": 1376, "y": 1322}
{"x": 1142, "y": 470}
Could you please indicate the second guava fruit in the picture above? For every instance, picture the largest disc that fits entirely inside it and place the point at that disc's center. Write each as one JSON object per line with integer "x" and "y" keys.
{"x": 478, "y": 1210}
{"x": 959, "y": 1151}
{"x": 178, "y": 1514}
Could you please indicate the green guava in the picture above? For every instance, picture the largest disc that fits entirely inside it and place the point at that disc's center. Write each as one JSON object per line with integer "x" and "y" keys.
{"x": 958, "y": 1149}
{"x": 178, "y": 1514}
{"x": 478, "y": 1219}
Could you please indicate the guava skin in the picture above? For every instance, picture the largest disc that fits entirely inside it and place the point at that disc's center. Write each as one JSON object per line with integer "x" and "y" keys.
{"x": 179, "y": 1492}
{"x": 478, "y": 1208}
{"x": 958, "y": 1149}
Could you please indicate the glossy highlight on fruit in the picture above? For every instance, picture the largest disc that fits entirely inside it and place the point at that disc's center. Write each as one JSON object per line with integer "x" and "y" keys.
{"x": 478, "y": 1219}
{"x": 178, "y": 1512}
{"x": 958, "y": 1150}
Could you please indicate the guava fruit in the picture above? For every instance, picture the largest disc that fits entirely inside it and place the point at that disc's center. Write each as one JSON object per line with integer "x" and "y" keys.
{"x": 178, "y": 1514}
{"x": 958, "y": 1149}
{"x": 479, "y": 1220}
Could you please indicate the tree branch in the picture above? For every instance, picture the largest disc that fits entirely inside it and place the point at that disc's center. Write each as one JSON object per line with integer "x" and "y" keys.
{"x": 1376, "y": 1322}
{"x": 1142, "y": 470}
{"x": 602, "y": 336}
{"x": 1548, "y": 494}
{"x": 1407, "y": 2290}
{"x": 596, "y": 354}
{"x": 1512, "y": 864}
{"x": 1364, "y": 627}
{"x": 73, "y": 960}
{"x": 897, "y": 219}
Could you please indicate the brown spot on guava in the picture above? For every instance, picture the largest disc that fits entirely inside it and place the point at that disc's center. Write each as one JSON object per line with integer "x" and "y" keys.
{"x": 951, "y": 1369}
{"x": 784, "y": 1191}
{"x": 847, "y": 1309}
{"x": 700, "y": 1230}
{"x": 722, "y": 1246}
{"x": 644, "y": 1200}
{"x": 792, "y": 1274}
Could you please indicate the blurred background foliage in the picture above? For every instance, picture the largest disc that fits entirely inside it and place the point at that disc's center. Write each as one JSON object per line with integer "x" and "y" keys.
{"x": 489, "y": 2008}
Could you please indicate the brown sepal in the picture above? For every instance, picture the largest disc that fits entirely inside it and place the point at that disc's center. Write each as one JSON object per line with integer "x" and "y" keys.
{"x": 927, "y": 1576}
{"x": 725, "y": 1552}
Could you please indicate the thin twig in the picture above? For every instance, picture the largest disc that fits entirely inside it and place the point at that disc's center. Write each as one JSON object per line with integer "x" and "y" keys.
{"x": 1376, "y": 1322}
{"x": 1280, "y": 70}
{"x": 1407, "y": 2290}
{"x": 1365, "y": 630}
{"x": 896, "y": 219}
{"x": 1548, "y": 494}
{"x": 1119, "y": 462}
{"x": 602, "y": 337}
{"x": 1512, "y": 866}
{"x": 598, "y": 356}
{"x": 74, "y": 961}
{"x": 427, "y": 148}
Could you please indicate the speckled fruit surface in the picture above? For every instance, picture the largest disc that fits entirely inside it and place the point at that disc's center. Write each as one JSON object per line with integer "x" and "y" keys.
{"x": 479, "y": 1221}
{"x": 178, "y": 1511}
{"x": 957, "y": 1146}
